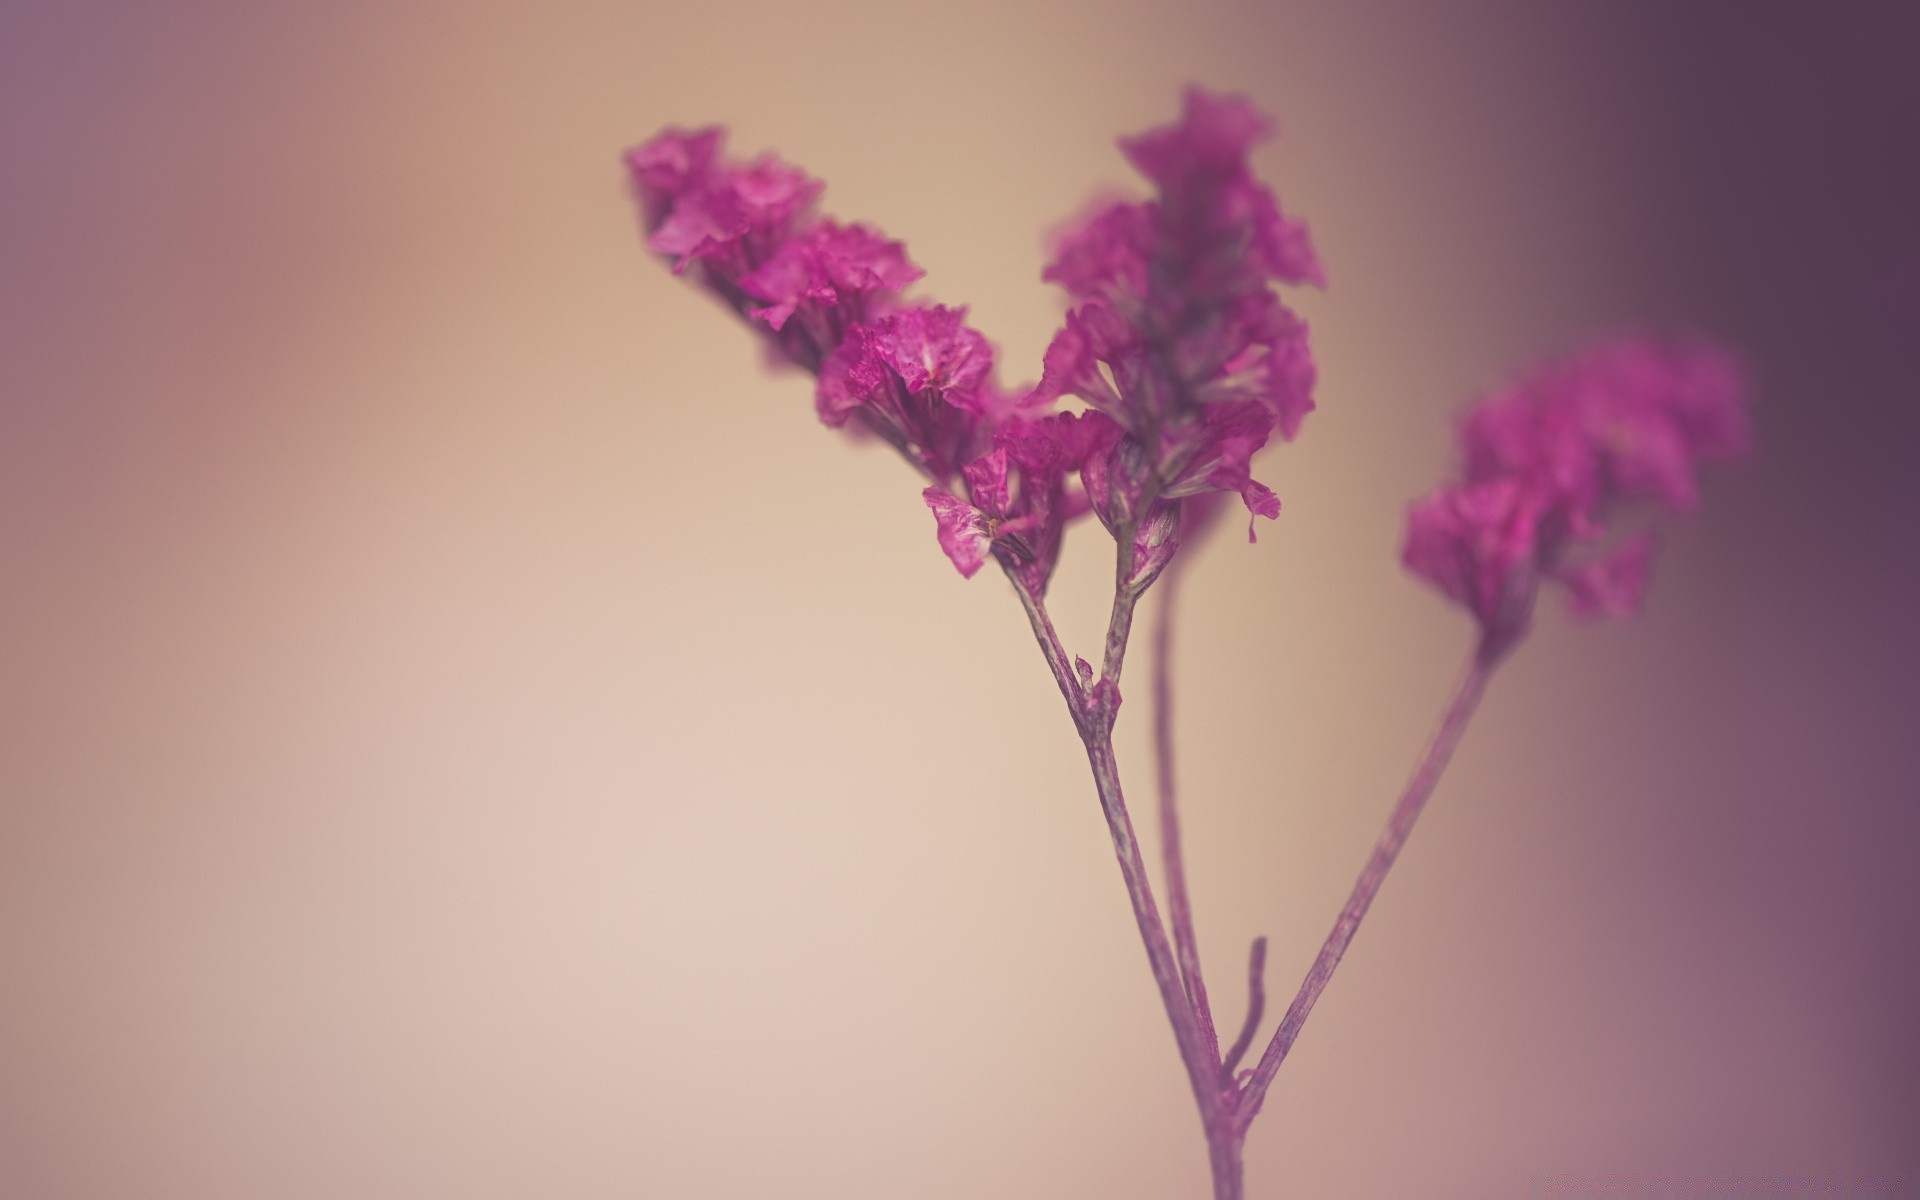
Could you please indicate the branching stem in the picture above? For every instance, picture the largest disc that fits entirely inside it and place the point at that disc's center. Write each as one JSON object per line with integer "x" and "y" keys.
{"x": 1226, "y": 1108}
{"x": 1453, "y": 723}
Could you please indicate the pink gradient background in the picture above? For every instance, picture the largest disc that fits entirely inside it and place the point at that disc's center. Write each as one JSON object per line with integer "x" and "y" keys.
{"x": 468, "y": 732}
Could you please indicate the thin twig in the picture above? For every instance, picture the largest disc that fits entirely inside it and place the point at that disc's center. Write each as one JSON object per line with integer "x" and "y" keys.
{"x": 1453, "y": 724}
{"x": 1256, "y": 1007}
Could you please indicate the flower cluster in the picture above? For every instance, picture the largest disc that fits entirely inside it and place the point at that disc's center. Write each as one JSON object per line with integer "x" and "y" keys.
{"x": 1190, "y": 361}
{"x": 827, "y": 297}
{"x": 1548, "y": 461}
{"x": 746, "y": 231}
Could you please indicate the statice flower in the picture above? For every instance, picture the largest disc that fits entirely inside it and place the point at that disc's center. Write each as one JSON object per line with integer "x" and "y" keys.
{"x": 827, "y": 298}
{"x": 1551, "y": 460}
{"x": 919, "y": 378}
{"x": 1176, "y": 338}
{"x": 1019, "y": 502}
{"x": 748, "y": 234}
{"x": 827, "y": 279}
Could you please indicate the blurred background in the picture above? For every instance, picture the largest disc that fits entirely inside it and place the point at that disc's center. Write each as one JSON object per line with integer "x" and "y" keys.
{"x": 465, "y": 730}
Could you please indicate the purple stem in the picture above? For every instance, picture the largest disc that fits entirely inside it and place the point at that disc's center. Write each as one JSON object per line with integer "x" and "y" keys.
{"x": 1179, "y": 907}
{"x": 1224, "y": 1156}
{"x": 1452, "y": 725}
{"x": 1197, "y": 1052}
{"x": 1201, "y": 1071}
{"x": 1058, "y": 660}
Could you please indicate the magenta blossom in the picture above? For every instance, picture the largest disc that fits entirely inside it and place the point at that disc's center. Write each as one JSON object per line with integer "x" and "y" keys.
{"x": 827, "y": 296}
{"x": 1019, "y": 500}
{"x": 1177, "y": 337}
{"x": 1549, "y": 462}
{"x": 828, "y": 279}
{"x": 747, "y": 233}
{"x": 736, "y": 218}
{"x": 919, "y": 378}
{"x": 675, "y": 163}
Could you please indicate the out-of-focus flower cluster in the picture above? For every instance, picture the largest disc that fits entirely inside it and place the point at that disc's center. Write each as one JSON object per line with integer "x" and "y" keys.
{"x": 1549, "y": 461}
{"x": 1176, "y": 340}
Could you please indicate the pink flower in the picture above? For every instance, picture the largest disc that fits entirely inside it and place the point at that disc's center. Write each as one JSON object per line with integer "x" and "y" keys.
{"x": 932, "y": 349}
{"x": 919, "y": 378}
{"x": 827, "y": 274}
{"x": 737, "y": 219}
{"x": 965, "y": 532}
{"x": 1207, "y": 192}
{"x": 1044, "y": 451}
{"x": 1177, "y": 337}
{"x": 673, "y": 164}
{"x": 1212, "y": 139}
{"x": 1614, "y": 584}
{"x": 1629, "y": 418}
{"x": 1098, "y": 356}
{"x": 746, "y": 232}
{"x": 1254, "y": 349}
{"x": 1479, "y": 543}
{"x": 1108, "y": 252}
{"x": 1018, "y": 502}
{"x": 1551, "y": 459}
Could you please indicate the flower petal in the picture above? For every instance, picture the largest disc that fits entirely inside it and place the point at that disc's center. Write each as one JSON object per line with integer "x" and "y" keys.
{"x": 1611, "y": 586}
{"x": 957, "y": 526}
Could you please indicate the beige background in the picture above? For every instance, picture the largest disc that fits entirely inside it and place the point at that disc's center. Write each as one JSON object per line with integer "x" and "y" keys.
{"x": 467, "y": 732}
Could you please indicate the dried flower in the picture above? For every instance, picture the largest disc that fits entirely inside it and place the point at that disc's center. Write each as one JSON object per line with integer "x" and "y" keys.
{"x": 1550, "y": 460}
{"x": 1177, "y": 337}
